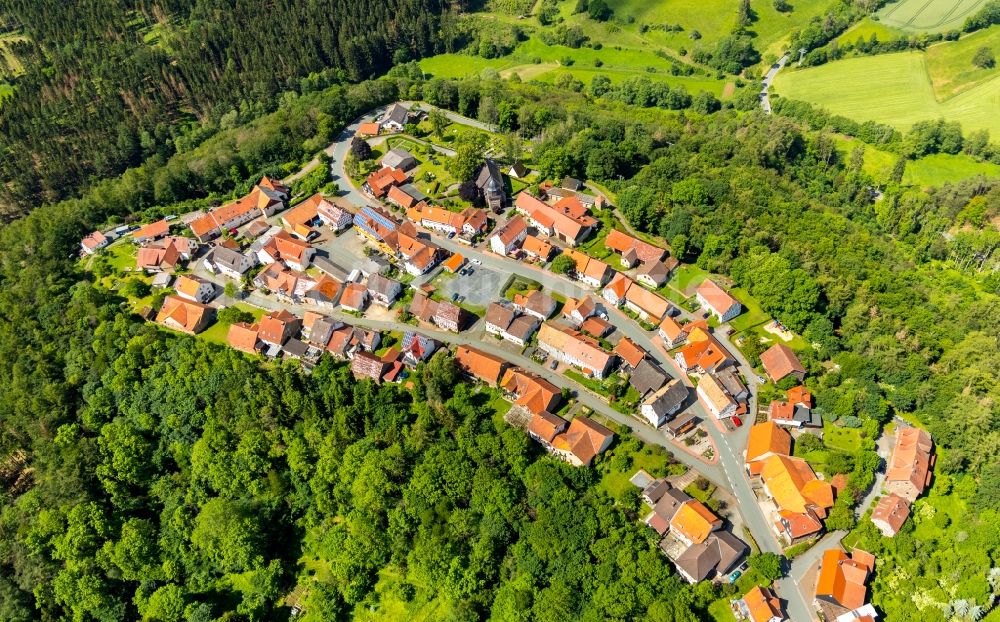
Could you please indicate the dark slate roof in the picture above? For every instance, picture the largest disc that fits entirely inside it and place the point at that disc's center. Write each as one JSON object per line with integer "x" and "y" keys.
{"x": 670, "y": 501}
{"x": 648, "y": 377}
{"x": 570, "y": 183}
{"x": 226, "y": 257}
{"x": 671, "y": 399}
{"x": 656, "y": 489}
{"x": 489, "y": 178}
{"x": 398, "y": 113}
{"x": 295, "y": 347}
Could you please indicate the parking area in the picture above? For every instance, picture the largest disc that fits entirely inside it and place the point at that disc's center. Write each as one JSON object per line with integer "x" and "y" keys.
{"x": 478, "y": 287}
{"x": 346, "y": 250}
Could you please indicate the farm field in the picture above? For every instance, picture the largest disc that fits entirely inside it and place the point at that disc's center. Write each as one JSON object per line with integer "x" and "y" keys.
{"x": 890, "y": 88}
{"x": 932, "y": 170}
{"x": 950, "y": 67}
{"x": 928, "y": 16}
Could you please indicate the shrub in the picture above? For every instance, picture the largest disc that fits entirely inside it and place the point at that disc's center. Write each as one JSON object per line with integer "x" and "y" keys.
{"x": 984, "y": 58}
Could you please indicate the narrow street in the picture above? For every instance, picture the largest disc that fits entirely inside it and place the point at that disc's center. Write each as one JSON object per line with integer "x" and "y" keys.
{"x": 765, "y": 100}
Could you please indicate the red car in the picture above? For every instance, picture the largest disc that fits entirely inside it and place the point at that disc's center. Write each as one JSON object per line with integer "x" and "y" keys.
{"x": 737, "y": 421}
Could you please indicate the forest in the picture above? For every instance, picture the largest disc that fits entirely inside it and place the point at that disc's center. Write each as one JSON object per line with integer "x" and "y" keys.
{"x": 145, "y": 475}
{"x": 109, "y": 83}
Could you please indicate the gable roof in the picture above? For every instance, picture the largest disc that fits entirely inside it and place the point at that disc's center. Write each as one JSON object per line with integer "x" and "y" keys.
{"x": 779, "y": 361}
{"x": 703, "y": 351}
{"x": 575, "y": 345}
{"x": 798, "y": 524}
{"x": 537, "y": 247}
{"x": 762, "y": 605}
{"x": 243, "y": 337}
{"x": 793, "y": 484}
{"x": 716, "y": 297}
{"x": 395, "y": 157}
{"x": 584, "y": 438}
{"x": 185, "y": 315}
{"x": 621, "y": 242}
{"x": 153, "y": 230}
{"x": 646, "y": 300}
{"x": 536, "y": 301}
{"x": 842, "y": 577}
{"x": 545, "y": 425}
{"x": 694, "y": 521}
{"x": 382, "y": 285}
{"x": 596, "y": 326}
{"x": 94, "y": 240}
{"x": 189, "y": 284}
{"x": 533, "y": 393}
{"x": 629, "y": 352}
{"x": 511, "y": 230}
{"x": 668, "y": 398}
{"x": 892, "y": 510}
{"x": 911, "y": 458}
{"x": 768, "y": 438}
{"x": 647, "y": 377}
{"x": 486, "y": 367}
{"x": 619, "y": 285}
{"x": 713, "y": 392}
{"x": 398, "y": 113}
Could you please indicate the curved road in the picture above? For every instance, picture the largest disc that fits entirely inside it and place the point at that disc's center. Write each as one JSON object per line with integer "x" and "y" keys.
{"x": 765, "y": 100}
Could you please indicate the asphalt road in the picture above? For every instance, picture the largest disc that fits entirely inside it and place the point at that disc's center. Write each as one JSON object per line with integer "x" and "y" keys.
{"x": 765, "y": 101}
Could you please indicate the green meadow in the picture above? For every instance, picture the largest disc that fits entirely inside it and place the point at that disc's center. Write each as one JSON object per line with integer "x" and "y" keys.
{"x": 928, "y": 15}
{"x": 891, "y": 88}
{"x": 949, "y": 64}
{"x": 932, "y": 170}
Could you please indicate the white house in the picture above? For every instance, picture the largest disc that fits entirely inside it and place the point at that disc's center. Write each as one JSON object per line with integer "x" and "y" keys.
{"x": 715, "y": 398}
{"x": 93, "y": 242}
{"x": 194, "y": 288}
{"x": 230, "y": 263}
{"x": 715, "y": 299}
{"x": 509, "y": 237}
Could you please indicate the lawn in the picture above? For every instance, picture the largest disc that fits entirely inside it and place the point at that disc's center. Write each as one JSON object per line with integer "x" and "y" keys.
{"x": 752, "y": 314}
{"x": 868, "y": 27}
{"x": 218, "y": 332}
{"x": 687, "y": 277}
{"x": 928, "y": 16}
{"x": 720, "y": 611}
{"x": 654, "y": 460}
{"x": 844, "y": 439}
{"x": 890, "y": 88}
{"x": 932, "y": 170}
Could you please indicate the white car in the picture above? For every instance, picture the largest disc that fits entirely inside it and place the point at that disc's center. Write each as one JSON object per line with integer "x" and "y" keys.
{"x": 477, "y": 262}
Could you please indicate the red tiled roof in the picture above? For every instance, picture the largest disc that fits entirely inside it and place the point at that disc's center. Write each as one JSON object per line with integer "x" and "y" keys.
{"x": 621, "y": 242}
{"x": 584, "y": 438}
{"x": 779, "y": 361}
{"x": 486, "y": 367}
{"x": 629, "y": 352}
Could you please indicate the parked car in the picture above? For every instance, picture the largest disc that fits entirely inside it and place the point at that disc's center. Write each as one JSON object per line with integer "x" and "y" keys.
{"x": 477, "y": 262}
{"x": 454, "y": 297}
{"x": 553, "y": 364}
{"x": 735, "y": 575}
{"x": 737, "y": 421}
{"x": 451, "y": 234}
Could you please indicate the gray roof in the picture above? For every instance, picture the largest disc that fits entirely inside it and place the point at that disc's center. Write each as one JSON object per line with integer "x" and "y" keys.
{"x": 321, "y": 331}
{"x": 227, "y": 258}
{"x": 669, "y": 502}
{"x": 648, "y": 377}
{"x": 656, "y": 270}
{"x": 656, "y": 489}
{"x": 331, "y": 269}
{"x": 570, "y": 183}
{"x": 700, "y": 560}
{"x": 671, "y": 398}
{"x": 807, "y": 416}
{"x": 489, "y": 177}
{"x": 295, "y": 347}
{"x": 398, "y": 113}
{"x": 383, "y": 286}
{"x": 414, "y": 192}
{"x": 499, "y": 314}
{"x": 523, "y": 327}
{"x": 731, "y": 550}
{"x": 730, "y": 381}
{"x": 398, "y": 158}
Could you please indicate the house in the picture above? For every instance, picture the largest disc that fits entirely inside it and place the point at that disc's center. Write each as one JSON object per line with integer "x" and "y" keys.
{"x": 796, "y": 527}
{"x": 841, "y": 583}
{"x": 230, "y": 263}
{"x": 194, "y": 288}
{"x": 354, "y": 297}
{"x": 629, "y": 353}
{"x": 573, "y": 348}
{"x": 674, "y": 334}
{"x": 730, "y": 380}
{"x": 536, "y": 303}
{"x": 470, "y": 221}
{"x": 614, "y": 292}
{"x": 571, "y": 184}
{"x": 654, "y": 491}
{"x": 480, "y": 365}
{"x": 504, "y": 321}
{"x": 284, "y": 282}
{"x": 693, "y": 522}
{"x": 94, "y": 242}
{"x": 890, "y": 513}
{"x": 365, "y": 365}
{"x": 800, "y": 396}
{"x": 537, "y": 249}
{"x": 702, "y": 353}
{"x": 278, "y": 326}
{"x": 792, "y": 485}
{"x": 582, "y": 441}
{"x": 510, "y": 236}
{"x": 243, "y": 337}
{"x": 185, "y": 315}
{"x": 665, "y": 508}
{"x": 717, "y": 555}
{"x": 518, "y": 170}
{"x": 377, "y": 225}
{"x": 158, "y": 256}
{"x": 642, "y": 252}
{"x": 378, "y": 183}
{"x": 654, "y": 274}
{"x": 395, "y": 118}
{"x": 596, "y": 274}
{"x": 596, "y": 327}
{"x": 422, "y": 307}
{"x": 383, "y": 290}
{"x": 682, "y": 424}
{"x": 369, "y": 129}
{"x": 646, "y": 304}
{"x": 568, "y": 222}
{"x": 263, "y": 200}
{"x": 760, "y": 605}
{"x": 454, "y": 263}
{"x": 908, "y": 473}
{"x": 295, "y": 253}
{"x": 162, "y": 280}
{"x": 490, "y": 183}
{"x": 448, "y": 317}
{"x": 717, "y": 301}
{"x": 399, "y": 197}
{"x": 152, "y": 231}
{"x": 335, "y": 214}
{"x": 498, "y": 317}
{"x": 256, "y": 229}
{"x": 418, "y": 257}
{"x": 577, "y": 310}
{"x": 324, "y": 293}
{"x": 531, "y": 392}
{"x": 544, "y": 427}
{"x": 715, "y": 398}
{"x": 779, "y": 362}
{"x": 306, "y": 213}
{"x": 766, "y": 439}
{"x": 417, "y": 348}
{"x": 399, "y": 158}
{"x": 321, "y": 330}
{"x": 793, "y": 415}
{"x": 664, "y": 403}
{"x": 647, "y": 377}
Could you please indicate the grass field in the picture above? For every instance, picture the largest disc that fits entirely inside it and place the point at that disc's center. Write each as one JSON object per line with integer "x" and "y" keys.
{"x": 218, "y": 332}
{"x": 868, "y": 27}
{"x": 932, "y": 170}
{"x": 890, "y": 88}
{"x": 928, "y": 16}
{"x": 950, "y": 67}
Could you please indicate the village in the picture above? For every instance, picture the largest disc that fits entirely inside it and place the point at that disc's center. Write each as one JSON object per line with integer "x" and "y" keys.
{"x": 539, "y": 298}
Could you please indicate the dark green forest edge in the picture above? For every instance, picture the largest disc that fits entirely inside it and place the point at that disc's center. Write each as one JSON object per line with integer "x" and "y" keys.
{"x": 146, "y": 475}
